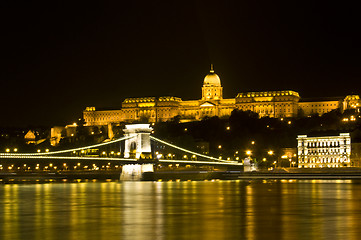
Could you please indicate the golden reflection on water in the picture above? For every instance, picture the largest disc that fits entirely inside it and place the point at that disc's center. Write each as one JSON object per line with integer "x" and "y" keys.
{"x": 302, "y": 209}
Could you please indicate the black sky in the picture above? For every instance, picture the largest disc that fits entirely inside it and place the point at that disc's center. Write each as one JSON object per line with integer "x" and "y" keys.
{"x": 60, "y": 57}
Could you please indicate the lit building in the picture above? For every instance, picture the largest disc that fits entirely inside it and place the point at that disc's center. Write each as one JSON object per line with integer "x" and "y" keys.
{"x": 30, "y": 137}
{"x": 319, "y": 106}
{"x": 275, "y": 104}
{"x": 324, "y": 152}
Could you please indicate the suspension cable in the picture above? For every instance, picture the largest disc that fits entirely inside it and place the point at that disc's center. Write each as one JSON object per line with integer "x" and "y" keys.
{"x": 185, "y": 150}
{"x": 67, "y": 150}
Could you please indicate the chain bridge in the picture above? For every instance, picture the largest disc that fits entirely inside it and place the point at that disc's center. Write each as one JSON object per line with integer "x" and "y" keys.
{"x": 139, "y": 155}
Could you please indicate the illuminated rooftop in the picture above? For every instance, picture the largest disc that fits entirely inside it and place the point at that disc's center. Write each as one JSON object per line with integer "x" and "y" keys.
{"x": 152, "y": 99}
{"x": 268, "y": 94}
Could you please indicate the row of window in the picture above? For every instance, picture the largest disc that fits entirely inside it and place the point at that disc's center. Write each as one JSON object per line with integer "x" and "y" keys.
{"x": 325, "y": 151}
{"x": 323, "y": 165}
{"x": 325, "y": 160}
{"x": 324, "y": 144}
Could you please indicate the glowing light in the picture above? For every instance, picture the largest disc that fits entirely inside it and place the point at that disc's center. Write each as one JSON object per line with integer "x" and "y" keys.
{"x": 248, "y": 152}
{"x": 40, "y": 155}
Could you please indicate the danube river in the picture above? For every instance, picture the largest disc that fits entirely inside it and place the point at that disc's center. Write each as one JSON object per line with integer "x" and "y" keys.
{"x": 278, "y": 209}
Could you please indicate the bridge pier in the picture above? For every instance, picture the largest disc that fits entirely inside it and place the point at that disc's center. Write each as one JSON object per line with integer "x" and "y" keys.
{"x": 134, "y": 172}
{"x": 138, "y": 147}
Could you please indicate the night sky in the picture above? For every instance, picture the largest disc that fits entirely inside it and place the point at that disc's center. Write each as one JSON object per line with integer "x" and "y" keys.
{"x": 60, "y": 57}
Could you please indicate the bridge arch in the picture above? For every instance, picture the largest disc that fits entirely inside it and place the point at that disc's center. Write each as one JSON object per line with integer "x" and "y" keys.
{"x": 139, "y": 142}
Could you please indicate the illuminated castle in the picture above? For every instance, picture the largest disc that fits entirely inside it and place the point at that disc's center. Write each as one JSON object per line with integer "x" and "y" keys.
{"x": 275, "y": 104}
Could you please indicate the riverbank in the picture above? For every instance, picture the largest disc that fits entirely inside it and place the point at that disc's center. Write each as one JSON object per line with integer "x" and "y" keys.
{"x": 83, "y": 176}
{"x": 304, "y": 173}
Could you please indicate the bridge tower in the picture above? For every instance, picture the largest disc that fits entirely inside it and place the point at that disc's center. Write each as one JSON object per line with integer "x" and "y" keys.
{"x": 137, "y": 147}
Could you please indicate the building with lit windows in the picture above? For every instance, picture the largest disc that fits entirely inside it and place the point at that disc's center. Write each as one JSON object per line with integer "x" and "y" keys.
{"x": 324, "y": 152}
{"x": 275, "y": 104}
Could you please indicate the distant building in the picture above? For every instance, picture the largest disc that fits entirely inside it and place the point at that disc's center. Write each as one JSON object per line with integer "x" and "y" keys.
{"x": 324, "y": 151}
{"x": 275, "y": 104}
{"x": 30, "y": 137}
{"x": 356, "y": 154}
{"x": 70, "y": 130}
{"x": 56, "y": 135}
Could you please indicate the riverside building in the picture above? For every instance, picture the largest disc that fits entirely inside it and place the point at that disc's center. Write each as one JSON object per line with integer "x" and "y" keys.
{"x": 274, "y": 104}
{"x": 324, "y": 152}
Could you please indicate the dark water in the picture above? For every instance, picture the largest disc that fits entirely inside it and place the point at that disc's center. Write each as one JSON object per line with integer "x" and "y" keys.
{"x": 182, "y": 210}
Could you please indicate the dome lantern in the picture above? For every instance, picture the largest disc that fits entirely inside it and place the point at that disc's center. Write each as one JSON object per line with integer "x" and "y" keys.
{"x": 212, "y": 79}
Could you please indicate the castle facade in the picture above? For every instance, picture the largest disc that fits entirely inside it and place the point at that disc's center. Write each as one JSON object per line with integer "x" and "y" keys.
{"x": 274, "y": 104}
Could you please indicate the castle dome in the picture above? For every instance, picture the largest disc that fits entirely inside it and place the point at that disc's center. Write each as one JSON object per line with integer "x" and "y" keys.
{"x": 212, "y": 79}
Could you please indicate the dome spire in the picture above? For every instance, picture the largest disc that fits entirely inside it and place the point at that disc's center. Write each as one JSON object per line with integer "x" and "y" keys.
{"x": 211, "y": 71}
